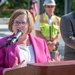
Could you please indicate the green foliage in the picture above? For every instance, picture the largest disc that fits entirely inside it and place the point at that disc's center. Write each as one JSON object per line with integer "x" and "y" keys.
{"x": 59, "y": 7}
{"x": 15, "y": 4}
{"x": 12, "y": 4}
{"x": 5, "y": 14}
{"x": 72, "y": 5}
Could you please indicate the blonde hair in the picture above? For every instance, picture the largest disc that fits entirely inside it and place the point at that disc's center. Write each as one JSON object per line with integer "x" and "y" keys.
{"x": 19, "y": 12}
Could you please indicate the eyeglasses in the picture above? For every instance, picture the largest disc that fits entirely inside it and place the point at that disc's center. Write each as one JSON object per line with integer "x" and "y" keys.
{"x": 17, "y": 23}
{"x": 47, "y": 6}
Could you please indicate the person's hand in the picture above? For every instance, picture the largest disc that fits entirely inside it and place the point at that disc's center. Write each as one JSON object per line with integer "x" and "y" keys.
{"x": 16, "y": 65}
{"x": 7, "y": 69}
{"x": 57, "y": 57}
{"x": 51, "y": 46}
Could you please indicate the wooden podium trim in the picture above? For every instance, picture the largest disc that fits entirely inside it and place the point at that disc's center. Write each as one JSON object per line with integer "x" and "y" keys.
{"x": 50, "y": 68}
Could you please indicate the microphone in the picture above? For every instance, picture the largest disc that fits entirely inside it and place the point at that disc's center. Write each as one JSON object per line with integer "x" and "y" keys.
{"x": 15, "y": 38}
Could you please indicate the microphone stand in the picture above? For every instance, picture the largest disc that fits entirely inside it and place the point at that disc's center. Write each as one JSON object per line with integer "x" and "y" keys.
{"x": 3, "y": 46}
{"x": 7, "y": 44}
{"x": 13, "y": 40}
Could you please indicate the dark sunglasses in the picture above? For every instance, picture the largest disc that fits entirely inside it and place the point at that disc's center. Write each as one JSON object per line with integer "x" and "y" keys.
{"x": 49, "y": 6}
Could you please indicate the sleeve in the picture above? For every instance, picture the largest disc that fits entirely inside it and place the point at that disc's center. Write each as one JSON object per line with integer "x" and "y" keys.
{"x": 67, "y": 31}
{"x": 2, "y": 58}
{"x": 59, "y": 19}
{"x": 59, "y": 30}
{"x": 37, "y": 25}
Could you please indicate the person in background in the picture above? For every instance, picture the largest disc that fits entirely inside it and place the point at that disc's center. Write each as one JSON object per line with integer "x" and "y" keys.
{"x": 67, "y": 28}
{"x": 47, "y": 27}
{"x": 27, "y": 49}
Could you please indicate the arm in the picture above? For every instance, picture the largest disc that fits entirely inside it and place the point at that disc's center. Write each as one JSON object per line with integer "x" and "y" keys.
{"x": 47, "y": 52}
{"x": 37, "y": 30}
{"x": 38, "y": 34}
{"x": 16, "y": 65}
{"x": 53, "y": 45}
{"x": 2, "y": 59}
{"x": 67, "y": 31}
{"x": 57, "y": 39}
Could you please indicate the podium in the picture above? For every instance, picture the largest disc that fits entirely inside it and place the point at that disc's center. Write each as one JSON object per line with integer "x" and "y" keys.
{"x": 49, "y": 68}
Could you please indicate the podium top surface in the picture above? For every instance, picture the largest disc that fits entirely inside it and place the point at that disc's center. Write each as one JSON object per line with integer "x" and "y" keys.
{"x": 49, "y": 68}
{"x": 59, "y": 63}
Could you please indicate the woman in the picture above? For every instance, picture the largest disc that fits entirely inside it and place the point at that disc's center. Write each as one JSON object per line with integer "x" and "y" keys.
{"x": 27, "y": 49}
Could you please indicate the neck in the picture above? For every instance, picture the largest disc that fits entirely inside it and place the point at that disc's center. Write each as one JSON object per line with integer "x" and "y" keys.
{"x": 24, "y": 41}
{"x": 49, "y": 15}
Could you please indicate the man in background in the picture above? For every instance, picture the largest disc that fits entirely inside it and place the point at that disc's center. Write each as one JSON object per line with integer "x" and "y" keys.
{"x": 47, "y": 26}
{"x": 67, "y": 28}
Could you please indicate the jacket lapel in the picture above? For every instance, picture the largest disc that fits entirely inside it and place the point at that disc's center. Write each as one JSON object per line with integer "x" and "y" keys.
{"x": 36, "y": 47}
{"x": 74, "y": 14}
{"x": 13, "y": 52}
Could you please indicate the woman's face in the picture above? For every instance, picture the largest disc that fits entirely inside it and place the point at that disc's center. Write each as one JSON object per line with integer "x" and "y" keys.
{"x": 20, "y": 23}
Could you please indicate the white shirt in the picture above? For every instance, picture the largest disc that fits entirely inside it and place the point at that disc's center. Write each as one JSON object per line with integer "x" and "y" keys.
{"x": 27, "y": 54}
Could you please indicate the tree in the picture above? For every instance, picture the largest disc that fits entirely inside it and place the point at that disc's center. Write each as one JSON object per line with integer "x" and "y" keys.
{"x": 15, "y": 4}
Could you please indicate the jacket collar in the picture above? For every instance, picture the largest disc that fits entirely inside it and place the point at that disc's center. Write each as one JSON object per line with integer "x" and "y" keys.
{"x": 74, "y": 14}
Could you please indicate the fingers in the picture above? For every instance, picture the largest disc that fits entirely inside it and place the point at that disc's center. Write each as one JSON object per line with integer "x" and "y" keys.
{"x": 53, "y": 60}
{"x": 16, "y": 65}
{"x": 19, "y": 65}
{"x": 57, "y": 55}
{"x": 57, "y": 58}
{"x": 16, "y": 61}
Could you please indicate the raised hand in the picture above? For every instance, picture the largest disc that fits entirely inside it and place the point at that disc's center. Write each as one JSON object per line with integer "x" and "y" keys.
{"x": 57, "y": 57}
{"x": 16, "y": 65}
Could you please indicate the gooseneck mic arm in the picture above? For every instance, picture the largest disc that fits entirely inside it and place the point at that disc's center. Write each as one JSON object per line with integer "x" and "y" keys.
{"x": 14, "y": 39}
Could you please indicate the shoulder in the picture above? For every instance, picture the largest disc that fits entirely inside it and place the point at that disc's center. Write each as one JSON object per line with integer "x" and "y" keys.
{"x": 4, "y": 39}
{"x": 68, "y": 15}
{"x": 39, "y": 39}
{"x": 39, "y": 16}
{"x": 36, "y": 39}
{"x": 59, "y": 18}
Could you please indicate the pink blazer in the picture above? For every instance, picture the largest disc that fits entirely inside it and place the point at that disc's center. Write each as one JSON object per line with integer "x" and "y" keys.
{"x": 7, "y": 55}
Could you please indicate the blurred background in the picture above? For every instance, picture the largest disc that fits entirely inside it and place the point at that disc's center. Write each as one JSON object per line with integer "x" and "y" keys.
{"x": 8, "y": 6}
